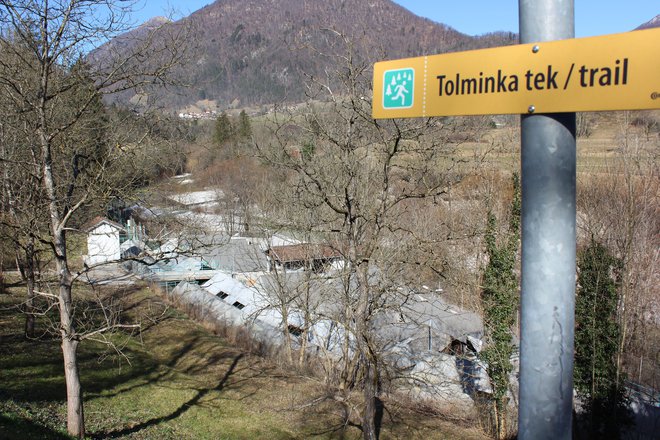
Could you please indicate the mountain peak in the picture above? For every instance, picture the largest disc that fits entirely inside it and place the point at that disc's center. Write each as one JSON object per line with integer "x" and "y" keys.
{"x": 652, "y": 23}
{"x": 155, "y": 22}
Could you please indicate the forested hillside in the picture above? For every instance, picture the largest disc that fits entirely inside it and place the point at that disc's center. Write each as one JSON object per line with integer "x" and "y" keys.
{"x": 251, "y": 52}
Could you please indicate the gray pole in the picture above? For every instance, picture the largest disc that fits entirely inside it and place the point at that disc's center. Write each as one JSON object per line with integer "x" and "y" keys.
{"x": 548, "y": 247}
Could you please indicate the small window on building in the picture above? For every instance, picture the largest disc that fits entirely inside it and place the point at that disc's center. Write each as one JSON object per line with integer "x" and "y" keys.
{"x": 222, "y": 295}
{"x": 238, "y": 305}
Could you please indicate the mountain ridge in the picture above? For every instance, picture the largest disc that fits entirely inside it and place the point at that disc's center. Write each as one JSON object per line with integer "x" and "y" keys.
{"x": 247, "y": 50}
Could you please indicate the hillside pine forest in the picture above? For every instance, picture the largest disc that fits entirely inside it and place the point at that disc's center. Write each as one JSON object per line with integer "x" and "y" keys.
{"x": 204, "y": 234}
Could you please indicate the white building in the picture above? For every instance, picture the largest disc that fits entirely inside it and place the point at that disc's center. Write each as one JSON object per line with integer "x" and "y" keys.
{"x": 103, "y": 242}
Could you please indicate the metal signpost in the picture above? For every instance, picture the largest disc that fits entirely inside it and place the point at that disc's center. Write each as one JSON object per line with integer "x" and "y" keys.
{"x": 547, "y": 309}
{"x": 548, "y": 74}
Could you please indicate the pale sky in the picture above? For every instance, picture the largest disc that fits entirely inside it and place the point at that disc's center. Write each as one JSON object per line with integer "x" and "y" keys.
{"x": 473, "y": 17}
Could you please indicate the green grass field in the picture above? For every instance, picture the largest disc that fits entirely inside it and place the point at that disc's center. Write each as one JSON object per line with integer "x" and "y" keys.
{"x": 177, "y": 381}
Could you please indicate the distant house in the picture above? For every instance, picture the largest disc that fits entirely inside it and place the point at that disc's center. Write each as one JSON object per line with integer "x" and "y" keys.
{"x": 104, "y": 238}
{"x": 303, "y": 256}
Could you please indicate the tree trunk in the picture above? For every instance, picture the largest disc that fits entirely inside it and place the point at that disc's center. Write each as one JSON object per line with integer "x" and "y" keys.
{"x": 75, "y": 415}
{"x": 500, "y": 418}
{"x": 307, "y": 320}
{"x": 30, "y": 280}
{"x": 29, "y": 310}
{"x": 75, "y": 419}
{"x": 350, "y": 360}
{"x": 372, "y": 405}
{"x": 370, "y": 429}
{"x": 287, "y": 335}
{"x": 303, "y": 347}
{"x": 496, "y": 421}
{"x": 58, "y": 221}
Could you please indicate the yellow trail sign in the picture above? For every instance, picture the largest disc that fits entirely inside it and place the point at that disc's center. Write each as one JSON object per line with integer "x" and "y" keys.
{"x": 611, "y": 72}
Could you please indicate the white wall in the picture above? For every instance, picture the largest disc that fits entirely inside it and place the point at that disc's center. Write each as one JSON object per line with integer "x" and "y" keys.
{"x": 102, "y": 244}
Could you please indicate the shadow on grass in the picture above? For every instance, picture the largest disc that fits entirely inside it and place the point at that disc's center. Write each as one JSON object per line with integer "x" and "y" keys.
{"x": 14, "y": 427}
{"x": 147, "y": 374}
{"x": 33, "y": 370}
{"x": 178, "y": 412}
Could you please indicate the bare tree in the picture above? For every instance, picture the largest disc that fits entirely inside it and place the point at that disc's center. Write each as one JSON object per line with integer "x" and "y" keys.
{"x": 357, "y": 180}
{"x": 21, "y": 224}
{"x": 56, "y": 97}
{"x": 618, "y": 206}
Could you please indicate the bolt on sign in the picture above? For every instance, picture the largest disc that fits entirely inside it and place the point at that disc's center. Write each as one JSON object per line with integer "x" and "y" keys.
{"x": 611, "y": 72}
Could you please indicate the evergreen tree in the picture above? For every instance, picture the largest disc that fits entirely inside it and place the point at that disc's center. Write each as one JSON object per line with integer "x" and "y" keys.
{"x": 597, "y": 340}
{"x": 500, "y": 302}
{"x": 223, "y": 129}
{"x": 244, "y": 126}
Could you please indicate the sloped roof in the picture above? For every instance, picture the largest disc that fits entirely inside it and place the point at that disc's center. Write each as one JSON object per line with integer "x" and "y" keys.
{"x": 225, "y": 283}
{"x": 236, "y": 256}
{"x": 97, "y": 221}
{"x": 443, "y": 317}
{"x": 254, "y": 303}
{"x": 303, "y": 252}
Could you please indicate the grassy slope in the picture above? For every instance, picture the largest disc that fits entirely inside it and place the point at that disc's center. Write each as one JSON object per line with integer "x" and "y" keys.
{"x": 182, "y": 382}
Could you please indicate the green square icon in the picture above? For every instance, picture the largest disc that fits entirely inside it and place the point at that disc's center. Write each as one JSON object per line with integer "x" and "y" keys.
{"x": 398, "y": 88}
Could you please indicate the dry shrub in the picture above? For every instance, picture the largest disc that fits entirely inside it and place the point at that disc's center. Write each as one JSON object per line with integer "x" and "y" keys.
{"x": 485, "y": 409}
{"x": 619, "y": 208}
{"x": 433, "y": 408}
